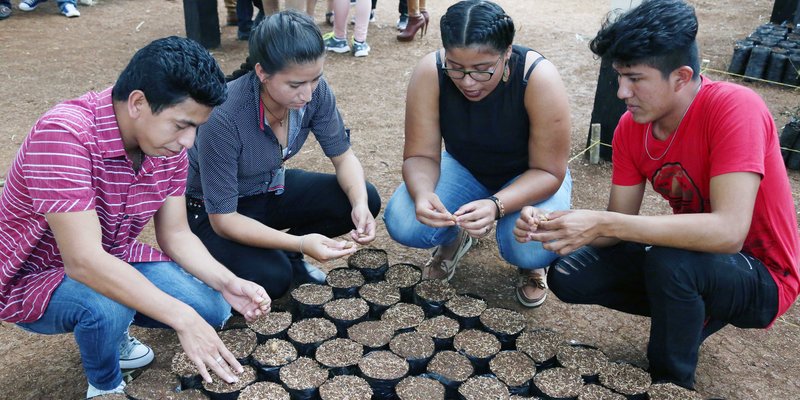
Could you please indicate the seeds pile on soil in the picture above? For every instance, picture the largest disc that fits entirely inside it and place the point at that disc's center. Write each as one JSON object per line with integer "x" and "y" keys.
{"x": 272, "y": 323}
{"x": 403, "y": 275}
{"x": 339, "y": 353}
{"x": 502, "y": 320}
{"x": 465, "y": 306}
{"x": 312, "y": 294}
{"x": 587, "y": 360}
{"x": 451, "y": 365}
{"x": 513, "y": 367}
{"x": 434, "y": 290}
{"x": 218, "y": 385}
{"x": 312, "y": 330}
{"x": 264, "y": 391}
{"x": 343, "y": 278}
{"x": 440, "y": 327}
{"x": 383, "y": 365}
{"x": 597, "y": 392}
{"x": 303, "y": 374}
{"x": 346, "y": 309}
{"x": 559, "y": 382}
{"x": 240, "y": 342}
{"x": 419, "y": 388}
{"x": 380, "y": 293}
{"x": 539, "y": 344}
{"x": 625, "y": 378}
{"x": 482, "y": 388}
{"x": 152, "y": 384}
{"x": 476, "y": 343}
{"x": 183, "y": 366}
{"x": 413, "y": 345}
{"x": 345, "y": 387}
{"x": 368, "y": 259}
{"x": 274, "y": 353}
{"x": 671, "y": 391}
{"x": 371, "y": 333}
{"x": 403, "y": 316}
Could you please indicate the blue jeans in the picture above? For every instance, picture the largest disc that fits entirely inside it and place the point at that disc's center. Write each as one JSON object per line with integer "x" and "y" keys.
{"x": 455, "y": 188}
{"x": 688, "y": 296}
{"x": 99, "y": 323}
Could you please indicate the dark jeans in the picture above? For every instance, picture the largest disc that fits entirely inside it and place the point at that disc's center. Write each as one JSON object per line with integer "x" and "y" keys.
{"x": 402, "y": 7}
{"x": 312, "y": 203}
{"x": 244, "y": 13}
{"x": 688, "y": 295}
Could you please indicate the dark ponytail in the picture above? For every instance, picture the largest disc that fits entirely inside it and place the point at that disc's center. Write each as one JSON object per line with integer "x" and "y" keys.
{"x": 281, "y": 39}
{"x": 477, "y": 23}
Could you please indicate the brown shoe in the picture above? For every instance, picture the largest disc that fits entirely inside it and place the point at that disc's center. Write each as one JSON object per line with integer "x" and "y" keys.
{"x": 439, "y": 267}
{"x": 532, "y": 287}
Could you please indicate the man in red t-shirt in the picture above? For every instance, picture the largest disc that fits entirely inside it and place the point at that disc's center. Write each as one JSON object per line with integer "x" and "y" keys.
{"x": 729, "y": 252}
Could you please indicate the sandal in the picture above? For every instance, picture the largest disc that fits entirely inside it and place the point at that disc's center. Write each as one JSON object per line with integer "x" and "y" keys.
{"x": 439, "y": 267}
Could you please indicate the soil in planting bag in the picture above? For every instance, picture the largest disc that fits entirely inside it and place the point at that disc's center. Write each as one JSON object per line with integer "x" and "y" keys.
{"x": 379, "y": 296}
{"x": 383, "y": 370}
{"x": 273, "y": 325}
{"x": 515, "y": 369}
{"x": 416, "y": 348}
{"x": 345, "y": 387}
{"x": 451, "y": 369}
{"x": 466, "y": 309}
{"x": 308, "y": 334}
{"x": 372, "y": 263}
{"x": 669, "y": 391}
{"x": 264, "y": 391}
{"x": 557, "y": 384}
{"x": 403, "y": 317}
{"x": 741, "y": 53}
{"x": 308, "y": 300}
{"x": 791, "y": 75}
{"x": 790, "y": 145}
{"x": 340, "y": 356}
{"x": 478, "y": 346}
{"x": 541, "y": 345}
{"x": 186, "y": 372}
{"x": 587, "y": 359}
{"x": 483, "y": 387}
{"x": 777, "y": 64}
{"x": 218, "y": 389}
{"x": 345, "y": 282}
{"x": 757, "y": 64}
{"x": 422, "y": 387}
{"x": 345, "y": 313}
{"x": 626, "y": 379}
{"x": 442, "y": 329}
{"x": 268, "y": 358}
{"x": 404, "y": 277}
{"x": 373, "y": 335}
{"x": 152, "y": 384}
{"x": 504, "y": 324}
{"x": 431, "y": 295}
{"x": 240, "y": 341}
{"x": 302, "y": 378}
{"x": 595, "y": 391}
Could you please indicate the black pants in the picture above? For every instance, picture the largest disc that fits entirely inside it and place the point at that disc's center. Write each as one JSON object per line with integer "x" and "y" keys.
{"x": 244, "y": 13}
{"x": 312, "y": 203}
{"x": 402, "y": 7}
{"x": 688, "y": 296}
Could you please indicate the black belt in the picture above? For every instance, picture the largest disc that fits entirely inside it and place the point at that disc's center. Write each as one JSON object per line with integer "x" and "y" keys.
{"x": 192, "y": 202}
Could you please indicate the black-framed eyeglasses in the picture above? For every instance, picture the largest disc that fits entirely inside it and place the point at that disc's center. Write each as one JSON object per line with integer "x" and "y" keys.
{"x": 479, "y": 76}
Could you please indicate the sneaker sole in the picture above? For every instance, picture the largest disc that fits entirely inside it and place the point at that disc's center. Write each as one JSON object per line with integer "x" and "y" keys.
{"x": 530, "y": 304}
{"x": 361, "y": 54}
{"x": 338, "y": 50}
{"x": 27, "y": 8}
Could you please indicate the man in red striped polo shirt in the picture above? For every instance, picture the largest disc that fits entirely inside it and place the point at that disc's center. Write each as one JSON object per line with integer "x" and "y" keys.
{"x": 89, "y": 176}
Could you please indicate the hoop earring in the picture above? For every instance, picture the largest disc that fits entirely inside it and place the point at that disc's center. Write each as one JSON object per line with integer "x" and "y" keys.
{"x": 505, "y": 73}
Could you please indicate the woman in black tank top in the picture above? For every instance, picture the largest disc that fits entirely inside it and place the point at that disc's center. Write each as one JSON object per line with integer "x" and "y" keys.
{"x": 501, "y": 111}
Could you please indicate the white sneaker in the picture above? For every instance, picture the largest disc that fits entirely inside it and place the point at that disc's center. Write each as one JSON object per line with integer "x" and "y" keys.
{"x": 87, "y": 2}
{"x": 69, "y": 10}
{"x": 133, "y": 354}
{"x": 94, "y": 392}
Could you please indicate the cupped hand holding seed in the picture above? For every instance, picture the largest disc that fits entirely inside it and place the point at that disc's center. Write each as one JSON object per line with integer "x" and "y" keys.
{"x": 322, "y": 248}
{"x": 431, "y": 212}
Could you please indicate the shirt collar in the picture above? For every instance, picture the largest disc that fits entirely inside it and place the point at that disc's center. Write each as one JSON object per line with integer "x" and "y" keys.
{"x": 109, "y": 137}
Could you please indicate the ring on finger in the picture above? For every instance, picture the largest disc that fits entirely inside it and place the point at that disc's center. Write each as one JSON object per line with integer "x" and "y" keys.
{"x": 218, "y": 359}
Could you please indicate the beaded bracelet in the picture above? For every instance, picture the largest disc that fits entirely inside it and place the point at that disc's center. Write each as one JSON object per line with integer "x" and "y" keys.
{"x": 501, "y": 210}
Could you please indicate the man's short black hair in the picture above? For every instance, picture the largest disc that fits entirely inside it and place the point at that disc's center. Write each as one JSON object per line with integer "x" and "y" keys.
{"x": 658, "y": 33}
{"x": 170, "y": 70}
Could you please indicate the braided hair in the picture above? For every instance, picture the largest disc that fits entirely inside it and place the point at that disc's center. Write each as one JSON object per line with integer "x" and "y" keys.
{"x": 477, "y": 23}
{"x": 282, "y": 39}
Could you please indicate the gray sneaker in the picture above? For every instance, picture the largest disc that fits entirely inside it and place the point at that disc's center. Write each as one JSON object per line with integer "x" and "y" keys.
{"x": 133, "y": 353}
{"x": 334, "y": 44}
{"x": 360, "y": 49}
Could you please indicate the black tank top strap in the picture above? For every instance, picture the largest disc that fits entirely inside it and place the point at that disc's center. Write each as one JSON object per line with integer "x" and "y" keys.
{"x": 530, "y": 70}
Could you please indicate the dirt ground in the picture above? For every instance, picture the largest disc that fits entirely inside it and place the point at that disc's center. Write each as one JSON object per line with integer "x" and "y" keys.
{"x": 45, "y": 58}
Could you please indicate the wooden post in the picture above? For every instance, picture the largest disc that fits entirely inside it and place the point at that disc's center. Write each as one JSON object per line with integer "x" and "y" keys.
{"x": 202, "y": 22}
{"x": 607, "y": 107}
{"x": 594, "y": 152}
